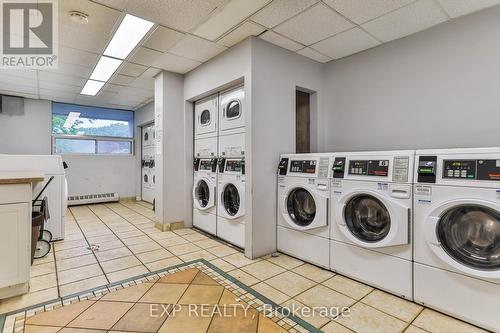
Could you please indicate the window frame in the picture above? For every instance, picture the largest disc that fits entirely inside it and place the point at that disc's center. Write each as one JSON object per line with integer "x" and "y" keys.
{"x": 95, "y": 139}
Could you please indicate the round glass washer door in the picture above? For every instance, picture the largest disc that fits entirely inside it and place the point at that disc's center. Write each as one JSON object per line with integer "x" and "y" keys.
{"x": 233, "y": 109}
{"x": 202, "y": 193}
{"x": 301, "y": 207}
{"x": 367, "y": 218}
{"x": 205, "y": 118}
{"x": 231, "y": 199}
{"x": 470, "y": 234}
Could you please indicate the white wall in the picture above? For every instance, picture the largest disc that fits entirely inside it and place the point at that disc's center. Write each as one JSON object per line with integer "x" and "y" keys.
{"x": 435, "y": 89}
{"x": 26, "y": 130}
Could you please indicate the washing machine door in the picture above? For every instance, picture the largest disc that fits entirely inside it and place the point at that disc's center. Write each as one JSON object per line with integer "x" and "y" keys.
{"x": 204, "y": 194}
{"x": 466, "y": 235}
{"x": 206, "y": 117}
{"x": 232, "y": 200}
{"x": 372, "y": 220}
{"x": 303, "y": 208}
{"x": 231, "y": 110}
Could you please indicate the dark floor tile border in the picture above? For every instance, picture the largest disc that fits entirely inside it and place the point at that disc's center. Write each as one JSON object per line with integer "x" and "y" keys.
{"x": 226, "y": 275}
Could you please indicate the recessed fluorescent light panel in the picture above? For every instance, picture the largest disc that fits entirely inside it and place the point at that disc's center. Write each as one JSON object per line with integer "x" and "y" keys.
{"x": 105, "y": 67}
{"x": 130, "y": 32}
{"x": 92, "y": 87}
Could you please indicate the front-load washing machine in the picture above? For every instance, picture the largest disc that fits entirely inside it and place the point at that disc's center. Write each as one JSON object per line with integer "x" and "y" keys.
{"x": 232, "y": 123}
{"x": 457, "y": 233}
{"x": 303, "y": 193}
{"x": 231, "y": 200}
{"x": 204, "y": 194}
{"x": 371, "y": 208}
{"x": 206, "y": 117}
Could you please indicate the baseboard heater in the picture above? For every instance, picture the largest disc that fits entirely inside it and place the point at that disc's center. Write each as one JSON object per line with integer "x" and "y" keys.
{"x": 93, "y": 198}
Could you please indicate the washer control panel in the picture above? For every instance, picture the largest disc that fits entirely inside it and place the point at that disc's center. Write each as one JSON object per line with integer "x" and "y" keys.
{"x": 338, "y": 167}
{"x": 472, "y": 169}
{"x": 303, "y": 166}
{"x": 378, "y": 168}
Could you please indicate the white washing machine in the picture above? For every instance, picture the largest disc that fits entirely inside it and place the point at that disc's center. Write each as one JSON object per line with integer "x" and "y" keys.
{"x": 303, "y": 193}
{"x": 148, "y": 163}
{"x": 204, "y": 194}
{"x": 56, "y": 192}
{"x": 231, "y": 200}
{"x": 232, "y": 123}
{"x": 371, "y": 210}
{"x": 206, "y": 117}
{"x": 205, "y": 147}
{"x": 457, "y": 233}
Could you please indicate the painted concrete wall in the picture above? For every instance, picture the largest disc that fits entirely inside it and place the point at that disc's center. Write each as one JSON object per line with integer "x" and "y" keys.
{"x": 435, "y": 89}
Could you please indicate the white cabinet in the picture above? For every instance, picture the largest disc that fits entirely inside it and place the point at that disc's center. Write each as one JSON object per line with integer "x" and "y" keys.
{"x": 15, "y": 247}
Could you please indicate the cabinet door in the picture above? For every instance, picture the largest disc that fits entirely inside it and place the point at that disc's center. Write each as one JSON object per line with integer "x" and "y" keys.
{"x": 15, "y": 246}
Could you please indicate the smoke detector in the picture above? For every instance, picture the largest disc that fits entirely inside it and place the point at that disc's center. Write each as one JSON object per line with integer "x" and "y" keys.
{"x": 79, "y": 17}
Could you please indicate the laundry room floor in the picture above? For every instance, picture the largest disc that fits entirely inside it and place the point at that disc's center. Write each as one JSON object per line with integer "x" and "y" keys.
{"x": 110, "y": 247}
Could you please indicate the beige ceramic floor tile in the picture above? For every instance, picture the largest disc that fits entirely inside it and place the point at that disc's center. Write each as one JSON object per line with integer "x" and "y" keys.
{"x": 263, "y": 269}
{"x": 244, "y": 277}
{"x": 105, "y": 246}
{"x": 43, "y": 269}
{"x": 202, "y": 278}
{"x": 201, "y": 254}
{"x": 184, "y": 231}
{"x": 69, "y": 244}
{"x": 43, "y": 282}
{"x": 164, "y": 293}
{"x": 266, "y": 325}
{"x": 144, "y": 247}
{"x": 75, "y": 262}
{"x": 334, "y": 327}
{"x": 349, "y": 287}
{"x": 223, "y": 265}
{"x": 243, "y": 322}
{"x": 290, "y": 283}
{"x": 314, "y": 318}
{"x": 365, "y": 319}
{"x": 274, "y": 295}
{"x": 172, "y": 241}
{"x": 129, "y": 294}
{"x": 86, "y": 284}
{"x": 285, "y": 261}
{"x": 207, "y": 243}
{"x": 202, "y": 294}
{"x": 313, "y": 272}
{"x": 155, "y": 255}
{"x": 414, "y": 329}
{"x": 323, "y": 296}
{"x": 183, "y": 249}
{"x": 393, "y": 305}
{"x": 41, "y": 329}
{"x": 182, "y": 321}
{"x": 119, "y": 264}
{"x": 78, "y": 274}
{"x": 186, "y": 276}
{"x": 25, "y": 300}
{"x": 162, "y": 264}
{"x": 119, "y": 252}
{"x": 139, "y": 319}
{"x": 164, "y": 235}
{"x": 436, "y": 322}
{"x": 238, "y": 259}
{"x": 102, "y": 315}
{"x": 127, "y": 273}
{"x": 222, "y": 250}
{"x": 136, "y": 240}
{"x": 127, "y": 234}
{"x": 61, "y": 316}
{"x": 76, "y": 252}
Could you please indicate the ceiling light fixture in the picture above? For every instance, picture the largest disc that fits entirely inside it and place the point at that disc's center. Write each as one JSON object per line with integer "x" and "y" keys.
{"x": 79, "y": 17}
{"x": 105, "y": 68}
{"x": 131, "y": 31}
{"x": 92, "y": 87}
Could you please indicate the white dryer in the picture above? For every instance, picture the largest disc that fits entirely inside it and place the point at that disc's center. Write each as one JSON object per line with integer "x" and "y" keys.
{"x": 303, "y": 194}
{"x": 457, "y": 233}
{"x": 206, "y": 117}
{"x": 204, "y": 194}
{"x": 231, "y": 200}
{"x": 232, "y": 123}
{"x": 371, "y": 209}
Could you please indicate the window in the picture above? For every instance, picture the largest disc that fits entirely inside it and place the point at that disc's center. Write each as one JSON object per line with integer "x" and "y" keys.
{"x": 78, "y": 129}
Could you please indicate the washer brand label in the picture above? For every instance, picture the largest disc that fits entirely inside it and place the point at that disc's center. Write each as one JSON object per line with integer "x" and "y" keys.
{"x": 383, "y": 186}
{"x": 424, "y": 202}
{"x": 336, "y": 183}
{"x": 498, "y": 194}
{"x": 337, "y": 192}
{"x": 423, "y": 190}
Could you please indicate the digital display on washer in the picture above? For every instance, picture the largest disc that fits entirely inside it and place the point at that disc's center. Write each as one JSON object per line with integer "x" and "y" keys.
{"x": 304, "y": 166}
{"x": 378, "y": 168}
{"x": 205, "y": 165}
{"x": 463, "y": 169}
{"x": 234, "y": 165}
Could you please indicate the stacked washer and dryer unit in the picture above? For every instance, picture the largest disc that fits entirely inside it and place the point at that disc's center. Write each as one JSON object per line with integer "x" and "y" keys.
{"x": 219, "y": 166}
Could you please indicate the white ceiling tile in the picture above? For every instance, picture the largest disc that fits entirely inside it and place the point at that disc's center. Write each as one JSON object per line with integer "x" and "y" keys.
{"x": 134, "y": 92}
{"x": 18, "y": 93}
{"x": 20, "y": 89}
{"x": 360, "y": 11}
{"x": 314, "y": 55}
{"x": 346, "y": 43}
{"x": 132, "y": 69}
{"x": 145, "y": 56}
{"x": 116, "y": 4}
{"x": 175, "y": 63}
{"x": 313, "y": 25}
{"x": 61, "y": 78}
{"x": 144, "y": 83}
{"x": 456, "y": 8}
{"x": 178, "y": 14}
{"x": 405, "y": 21}
{"x": 19, "y": 80}
{"x": 51, "y": 94}
{"x": 280, "y": 10}
{"x": 274, "y": 38}
{"x": 78, "y": 57}
{"x": 73, "y": 70}
{"x": 227, "y": 17}
{"x": 122, "y": 79}
{"x": 150, "y": 73}
{"x": 240, "y": 33}
{"x": 162, "y": 39}
{"x": 66, "y": 88}
{"x": 26, "y": 73}
{"x": 196, "y": 48}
